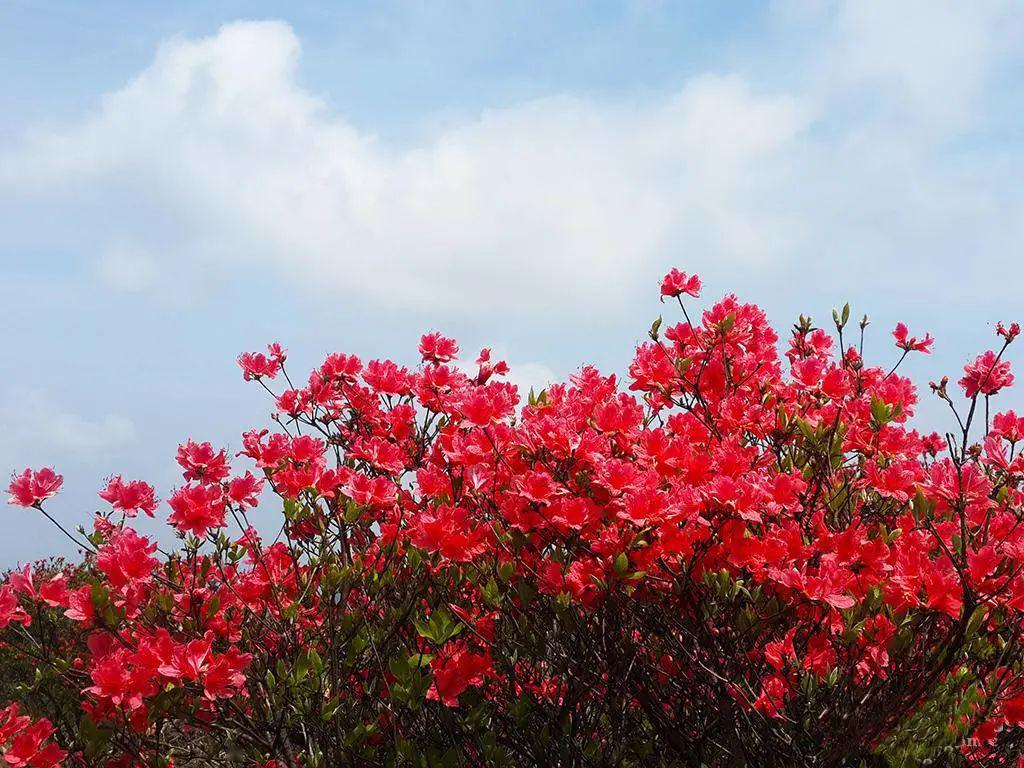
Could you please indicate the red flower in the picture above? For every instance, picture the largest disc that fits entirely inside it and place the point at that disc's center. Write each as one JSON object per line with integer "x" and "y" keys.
{"x": 341, "y": 368}
{"x": 486, "y": 368}
{"x": 245, "y": 491}
{"x": 1010, "y": 333}
{"x": 127, "y": 560}
{"x": 896, "y": 481}
{"x": 830, "y": 586}
{"x": 448, "y": 531}
{"x": 481, "y": 408}
{"x": 778, "y": 652}
{"x": 130, "y": 498}
{"x": 944, "y": 591}
{"x": 54, "y": 592}
{"x": 435, "y": 348}
{"x": 676, "y": 283}
{"x": 987, "y": 374}
{"x": 225, "y": 675}
{"x": 911, "y": 343}
{"x": 197, "y": 509}
{"x": 10, "y": 610}
{"x": 1013, "y": 710}
{"x": 385, "y": 377}
{"x": 80, "y": 605}
{"x": 772, "y": 698}
{"x": 110, "y": 678}
{"x": 256, "y": 365}
{"x": 455, "y": 669}
{"x": 29, "y": 746}
{"x": 32, "y": 488}
{"x": 202, "y": 463}
{"x": 188, "y": 661}
{"x": 370, "y": 491}
{"x": 1008, "y": 426}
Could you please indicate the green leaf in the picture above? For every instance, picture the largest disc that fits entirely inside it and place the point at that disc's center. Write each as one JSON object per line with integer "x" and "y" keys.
{"x": 491, "y": 593}
{"x": 420, "y": 660}
{"x": 439, "y": 628}
{"x": 621, "y": 563}
{"x": 400, "y": 668}
{"x": 301, "y": 667}
{"x": 881, "y": 412}
{"x": 974, "y": 623}
{"x": 352, "y": 511}
{"x": 331, "y": 710}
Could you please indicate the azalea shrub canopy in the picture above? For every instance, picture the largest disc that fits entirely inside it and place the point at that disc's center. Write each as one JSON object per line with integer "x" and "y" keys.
{"x": 742, "y": 555}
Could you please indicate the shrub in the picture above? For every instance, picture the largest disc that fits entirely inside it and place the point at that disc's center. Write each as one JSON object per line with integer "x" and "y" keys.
{"x": 744, "y": 558}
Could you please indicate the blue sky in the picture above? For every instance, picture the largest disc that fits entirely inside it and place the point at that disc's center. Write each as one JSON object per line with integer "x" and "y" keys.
{"x": 181, "y": 182}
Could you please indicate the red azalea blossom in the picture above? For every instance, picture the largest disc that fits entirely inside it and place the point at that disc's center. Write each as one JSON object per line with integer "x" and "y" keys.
{"x": 449, "y": 532}
{"x": 127, "y": 559}
{"x": 986, "y": 375}
{"x": 1008, "y": 333}
{"x": 27, "y": 741}
{"x": 130, "y": 497}
{"x": 245, "y": 490}
{"x": 455, "y": 670}
{"x": 10, "y": 610}
{"x": 80, "y": 605}
{"x": 911, "y": 343}
{"x": 676, "y": 283}
{"x": 33, "y": 487}
{"x": 202, "y": 463}
{"x": 436, "y": 348}
{"x": 256, "y": 365}
{"x": 197, "y": 509}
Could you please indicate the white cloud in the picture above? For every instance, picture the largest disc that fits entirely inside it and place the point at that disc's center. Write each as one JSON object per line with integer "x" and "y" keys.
{"x": 930, "y": 58}
{"x": 128, "y": 267}
{"x": 38, "y": 430}
{"x": 513, "y": 207}
{"x": 561, "y": 203}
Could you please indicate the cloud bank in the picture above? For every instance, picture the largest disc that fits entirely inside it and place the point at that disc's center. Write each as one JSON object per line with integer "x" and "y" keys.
{"x": 515, "y": 204}
{"x": 508, "y": 210}
{"x": 37, "y": 429}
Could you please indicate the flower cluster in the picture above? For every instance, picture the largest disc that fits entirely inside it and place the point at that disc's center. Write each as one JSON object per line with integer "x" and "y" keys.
{"x": 27, "y": 741}
{"x": 744, "y": 554}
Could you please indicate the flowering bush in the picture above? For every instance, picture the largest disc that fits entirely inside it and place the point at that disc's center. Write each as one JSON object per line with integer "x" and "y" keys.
{"x": 743, "y": 558}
